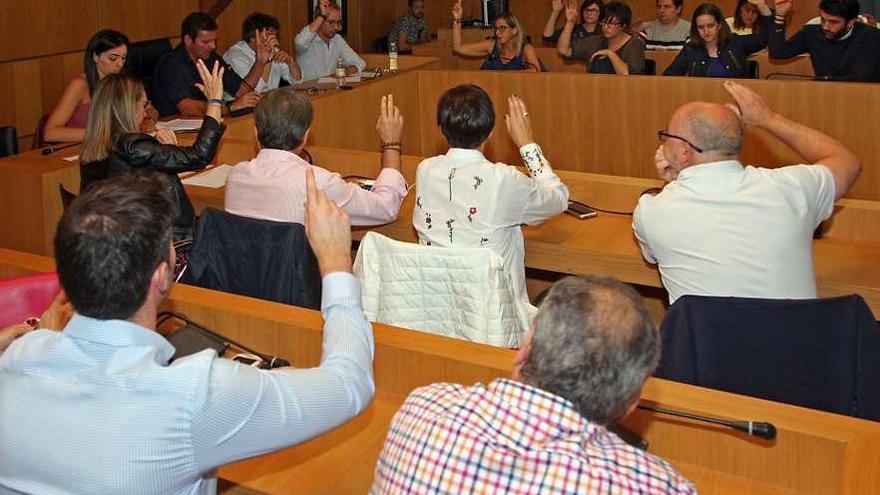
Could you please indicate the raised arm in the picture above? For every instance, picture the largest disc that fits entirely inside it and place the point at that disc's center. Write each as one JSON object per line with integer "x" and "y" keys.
{"x": 775, "y": 27}
{"x": 478, "y": 49}
{"x": 550, "y": 27}
{"x": 563, "y": 46}
{"x": 814, "y": 146}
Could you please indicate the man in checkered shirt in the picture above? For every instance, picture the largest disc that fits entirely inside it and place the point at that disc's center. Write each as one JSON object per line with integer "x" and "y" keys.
{"x": 586, "y": 357}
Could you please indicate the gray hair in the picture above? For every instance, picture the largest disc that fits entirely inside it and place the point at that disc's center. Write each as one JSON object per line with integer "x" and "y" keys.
{"x": 594, "y": 344}
{"x": 282, "y": 118}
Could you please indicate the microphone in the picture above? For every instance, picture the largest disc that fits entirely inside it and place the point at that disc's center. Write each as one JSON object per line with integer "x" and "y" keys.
{"x": 753, "y": 428}
{"x": 773, "y": 75}
{"x": 51, "y": 149}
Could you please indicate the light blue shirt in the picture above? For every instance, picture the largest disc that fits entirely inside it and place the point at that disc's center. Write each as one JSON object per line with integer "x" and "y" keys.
{"x": 318, "y": 59}
{"x": 96, "y": 409}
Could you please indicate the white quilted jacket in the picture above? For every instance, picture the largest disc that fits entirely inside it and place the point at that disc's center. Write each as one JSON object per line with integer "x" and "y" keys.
{"x": 456, "y": 292}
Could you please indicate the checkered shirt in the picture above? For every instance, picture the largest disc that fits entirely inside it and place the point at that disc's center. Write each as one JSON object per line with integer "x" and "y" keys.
{"x": 510, "y": 438}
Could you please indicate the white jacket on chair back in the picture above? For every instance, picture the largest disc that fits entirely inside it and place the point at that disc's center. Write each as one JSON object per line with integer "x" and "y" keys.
{"x": 456, "y": 292}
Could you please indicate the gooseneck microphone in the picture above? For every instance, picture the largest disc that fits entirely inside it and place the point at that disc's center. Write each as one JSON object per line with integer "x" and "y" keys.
{"x": 51, "y": 149}
{"x": 754, "y": 428}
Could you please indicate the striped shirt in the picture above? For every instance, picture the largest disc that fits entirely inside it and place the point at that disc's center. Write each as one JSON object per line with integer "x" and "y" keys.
{"x": 509, "y": 437}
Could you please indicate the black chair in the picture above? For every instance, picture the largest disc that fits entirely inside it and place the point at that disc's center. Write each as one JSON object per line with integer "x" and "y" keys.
{"x": 254, "y": 258}
{"x": 143, "y": 57}
{"x": 381, "y": 44}
{"x": 8, "y": 141}
{"x": 818, "y": 353}
{"x": 753, "y": 69}
{"x": 67, "y": 197}
{"x": 650, "y": 67}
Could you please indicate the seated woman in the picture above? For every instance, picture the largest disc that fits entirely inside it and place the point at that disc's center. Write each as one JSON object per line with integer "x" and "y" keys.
{"x": 745, "y": 19}
{"x": 105, "y": 55}
{"x": 592, "y": 12}
{"x": 113, "y": 144}
{"x": 615, "y": 52}
{"x": 508, "y": 51}
{"x": 712, "y": 50}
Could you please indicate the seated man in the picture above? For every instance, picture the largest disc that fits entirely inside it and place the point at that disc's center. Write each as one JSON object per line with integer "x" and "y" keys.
{"x": 272, "y": 185}
{"x": 669, "y": 31}
{"x": 176, "y": 80}
{"x": 586, "y": 357}
{"x": 410, "y": 29}
{"x": 101, "y": 400}
{"x": 721, "y": 229}
{"x": 840, "y": 48}
{"x": 259, "y": 48}
{"x": 464, "y": 200}
{"x": 319, "y": 47}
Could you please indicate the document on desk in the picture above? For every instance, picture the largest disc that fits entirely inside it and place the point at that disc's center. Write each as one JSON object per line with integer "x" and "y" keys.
{"x": 181, "y": 125}
{"x": 214, "y": 178}
{"x": 332, "y": 80}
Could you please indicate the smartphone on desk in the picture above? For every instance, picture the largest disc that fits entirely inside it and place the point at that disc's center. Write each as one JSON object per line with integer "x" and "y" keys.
{"x": 580, "y": 210}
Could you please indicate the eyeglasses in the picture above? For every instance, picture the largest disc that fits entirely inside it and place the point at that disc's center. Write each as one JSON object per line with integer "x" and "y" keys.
{"x": 591, "y": 11}
{"x": 501, "y": 29}
{"x": 664, "y": 135}
{"x": 335, "y": 23}
{"x": 610, "y": 22}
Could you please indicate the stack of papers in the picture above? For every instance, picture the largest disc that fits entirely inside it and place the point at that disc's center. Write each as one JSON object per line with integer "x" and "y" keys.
{"x": 181, "y": 125}
{"x": 332, "y": 80}
{"x": 214, "y": 178}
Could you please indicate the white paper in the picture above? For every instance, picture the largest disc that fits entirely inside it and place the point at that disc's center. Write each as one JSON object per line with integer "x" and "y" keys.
{"x": 71, "y": 158}
{"x": 180, "y": 125}
{"x": 214, "y": 178}
{"x": 332, "y": 80}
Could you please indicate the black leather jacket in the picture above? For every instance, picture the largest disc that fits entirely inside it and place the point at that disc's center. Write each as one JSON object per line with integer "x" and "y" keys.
{"x": 143, "y": 152}
{"x": 693, "y": 60}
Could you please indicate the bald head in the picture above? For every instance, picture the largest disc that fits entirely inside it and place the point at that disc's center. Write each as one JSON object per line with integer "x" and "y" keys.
{"x": 714, "y": 128}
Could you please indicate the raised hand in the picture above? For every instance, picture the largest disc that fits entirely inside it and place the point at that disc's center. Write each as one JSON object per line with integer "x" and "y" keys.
{"x": 664, "y": 169}
{"x": 328, "y": 229}
{"x": 457, "y": 10}
{"x": 212, "y": 81}
{"x": 390, "y": 123}
{"x": 783, "y": 7}
{"x": 324, "y": 7}
{"x": 263, "y": 50}
{"x": 750, "y": 107}
{"x": 572, "y": 14}
{"x": 518, "y": 124}
{"x": 557, "y": 5}
{"x": 762, "y": 6}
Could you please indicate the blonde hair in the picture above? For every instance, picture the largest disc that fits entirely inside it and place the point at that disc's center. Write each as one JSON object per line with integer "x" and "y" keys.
{"x": 112, "y": 112}
{"x": 513, "y": 21}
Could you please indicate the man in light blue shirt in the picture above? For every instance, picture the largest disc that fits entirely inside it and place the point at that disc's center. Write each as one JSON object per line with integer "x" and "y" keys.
{"x": 98, "y": 409}
{"x": 319, "y": 45}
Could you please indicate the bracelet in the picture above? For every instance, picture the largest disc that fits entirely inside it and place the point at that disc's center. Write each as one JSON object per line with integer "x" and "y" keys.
{"x": 215, "y": 101}
{"x": 456, "y": 21}
{"x": 391, "y": 143}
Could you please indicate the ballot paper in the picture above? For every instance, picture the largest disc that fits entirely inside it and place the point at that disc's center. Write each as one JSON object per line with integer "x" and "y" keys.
{"x": 214, "y": 178}
{"x": 332, "y": 80}
{"x": 181, "y": 125}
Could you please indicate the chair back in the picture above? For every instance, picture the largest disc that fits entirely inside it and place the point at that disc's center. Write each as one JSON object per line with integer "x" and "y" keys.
{"x": 8, "y": 141}
{"x": 457, "y": 292}
{"x": 39, "y": 139}
{"x": 817, "y": 353}
{"x": 23, "y": 297}
{"x": 650, "y": 67}
{"x": 753, "y": 70}
{"x": 381, "y": 44}
{"x": 254, "y": 258}
{"x": 143, "y": 57}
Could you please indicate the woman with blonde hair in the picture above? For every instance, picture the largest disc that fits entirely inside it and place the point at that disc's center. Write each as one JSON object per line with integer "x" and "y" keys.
{"x": 509, "y": 50}
{"x": 113, "y": 143}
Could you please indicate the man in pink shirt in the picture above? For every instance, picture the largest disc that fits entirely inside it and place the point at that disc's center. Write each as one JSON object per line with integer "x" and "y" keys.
{"x": 272, "y": 185}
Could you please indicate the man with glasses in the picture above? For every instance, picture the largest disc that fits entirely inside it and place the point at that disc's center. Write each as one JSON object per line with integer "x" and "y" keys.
{"x": 319, "y": 47}
{"x": 840, "y": 47}
{"x": 723, "y": 229}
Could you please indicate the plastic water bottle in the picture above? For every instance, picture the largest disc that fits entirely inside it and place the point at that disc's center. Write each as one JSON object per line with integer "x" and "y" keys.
{"x": 340, "y": 73}
{"x": 392, "y": 56}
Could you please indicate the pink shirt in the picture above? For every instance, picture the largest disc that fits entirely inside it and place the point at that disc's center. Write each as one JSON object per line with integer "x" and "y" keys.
{"x": 272, "y": 186}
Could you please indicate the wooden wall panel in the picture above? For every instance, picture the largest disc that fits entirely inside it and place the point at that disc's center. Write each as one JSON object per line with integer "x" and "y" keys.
{"x": 43, "y": 27}
{"x": 146, "y": 19}
{"x": 607, "y": 124}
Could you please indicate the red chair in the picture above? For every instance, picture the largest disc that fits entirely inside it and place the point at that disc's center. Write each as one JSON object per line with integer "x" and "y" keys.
{"x": 23, "y": 297}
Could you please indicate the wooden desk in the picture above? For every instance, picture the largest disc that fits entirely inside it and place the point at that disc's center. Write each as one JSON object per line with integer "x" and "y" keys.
{"x": 846, "y": 259}
{"x": 815, "y": 452}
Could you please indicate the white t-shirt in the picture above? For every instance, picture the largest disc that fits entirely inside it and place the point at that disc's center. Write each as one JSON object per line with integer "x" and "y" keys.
{"x": 721, "y": 229}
